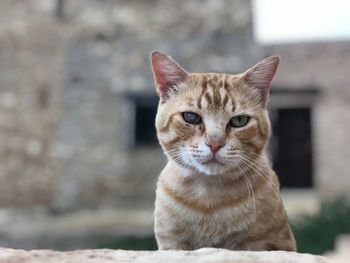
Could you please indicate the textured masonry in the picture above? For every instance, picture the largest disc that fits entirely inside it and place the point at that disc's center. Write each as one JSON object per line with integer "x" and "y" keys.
{"x": 207, "y": 255}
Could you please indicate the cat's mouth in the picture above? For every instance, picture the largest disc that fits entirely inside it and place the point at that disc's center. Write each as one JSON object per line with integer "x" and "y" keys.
{"x": 212, "y": 161}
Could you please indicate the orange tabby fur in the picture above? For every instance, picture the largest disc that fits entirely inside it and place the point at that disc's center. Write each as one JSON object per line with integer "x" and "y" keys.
{"x": 227, "y": 198}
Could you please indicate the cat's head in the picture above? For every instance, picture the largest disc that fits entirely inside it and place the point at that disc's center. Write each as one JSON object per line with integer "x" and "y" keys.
{"x": 212, "y": 123}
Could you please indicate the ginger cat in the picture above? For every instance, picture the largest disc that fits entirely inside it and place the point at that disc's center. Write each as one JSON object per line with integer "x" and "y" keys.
{"x": 218, "y": 188}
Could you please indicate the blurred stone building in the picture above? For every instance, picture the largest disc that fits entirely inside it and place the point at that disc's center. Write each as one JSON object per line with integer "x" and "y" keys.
{"x": 77, "y": 101}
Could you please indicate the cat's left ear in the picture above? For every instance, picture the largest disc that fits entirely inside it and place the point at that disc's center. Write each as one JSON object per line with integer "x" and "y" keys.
{"x": 261, "y": 75}
{"x": 168, "y": 75}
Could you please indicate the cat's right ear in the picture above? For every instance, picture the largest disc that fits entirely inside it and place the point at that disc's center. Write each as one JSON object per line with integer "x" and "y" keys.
{"x": 261, "y": 75}
{"x": 168, "y": 75}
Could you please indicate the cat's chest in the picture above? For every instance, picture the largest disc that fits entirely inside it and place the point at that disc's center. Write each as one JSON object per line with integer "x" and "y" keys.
{"x": 207, "y": 210}
{"x": 212, "y": 229}
{"x": 210, "y": 217}
{"x": 209, "y": 202}
{"x": 225, "y": 220}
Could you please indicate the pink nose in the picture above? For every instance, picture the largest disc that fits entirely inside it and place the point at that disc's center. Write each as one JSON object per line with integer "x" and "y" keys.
{"x": 215, "y": 146}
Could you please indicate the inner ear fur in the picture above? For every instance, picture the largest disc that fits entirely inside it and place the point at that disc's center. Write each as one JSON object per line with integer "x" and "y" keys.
{"x": 261, "y": 75}
{"x": 167, "y": 74}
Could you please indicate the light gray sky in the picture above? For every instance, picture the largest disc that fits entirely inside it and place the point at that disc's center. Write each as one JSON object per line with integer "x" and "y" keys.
{"x": 290, "y": 21}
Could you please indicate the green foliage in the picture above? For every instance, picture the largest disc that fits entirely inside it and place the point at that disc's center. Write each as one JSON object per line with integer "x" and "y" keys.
{"x": 316, "y": 234}
{"x": 131, "y": 243}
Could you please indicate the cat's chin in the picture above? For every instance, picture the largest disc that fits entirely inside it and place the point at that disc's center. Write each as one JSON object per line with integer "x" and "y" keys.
{"x": 212, "y": 168}
{"x": 207, "y": 169}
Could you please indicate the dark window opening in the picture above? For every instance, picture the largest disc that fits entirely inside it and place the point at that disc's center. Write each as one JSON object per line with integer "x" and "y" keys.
{"x": 145, "y": 131}
{"x": 145, "y": 115}
{"x": 292, "y": 149}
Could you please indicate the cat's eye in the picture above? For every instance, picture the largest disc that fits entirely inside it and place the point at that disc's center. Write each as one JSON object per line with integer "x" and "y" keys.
{"x": 239, "y": 121}
{"x": 191, "y": 117}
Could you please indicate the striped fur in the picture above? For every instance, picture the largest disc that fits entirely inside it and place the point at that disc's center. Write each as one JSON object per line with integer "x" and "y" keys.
{"x": 228, "y": 199}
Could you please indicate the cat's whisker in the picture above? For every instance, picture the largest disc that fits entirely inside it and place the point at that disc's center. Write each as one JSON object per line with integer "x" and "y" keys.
{"x": 248, "y": 165}
{"x": 178, "y": 158}
{"x": 253, "y": 153}
{"x": 262, "y": 176}
{"x": 181, "y": 155}
{"x": 244, "y": 152}
{"x": 252, "y": 162}
{"x": 176, "y": 149}
{"x": 258, "y": 171}
{"x": 259, "y": 159}
{"x": 257, "y": 162}
{"x": 249, "y": 186}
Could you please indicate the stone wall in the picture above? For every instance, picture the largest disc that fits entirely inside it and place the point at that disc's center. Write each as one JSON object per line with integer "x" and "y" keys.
{"x": 31, "y": 54}
{"x": 208, "y": 255}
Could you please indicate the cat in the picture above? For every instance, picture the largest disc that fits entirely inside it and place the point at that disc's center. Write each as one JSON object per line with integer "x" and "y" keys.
{"x": 217, "y": 189}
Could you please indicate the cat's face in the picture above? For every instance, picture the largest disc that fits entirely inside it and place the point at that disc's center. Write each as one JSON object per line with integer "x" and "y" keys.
{"x": 212, "y": 123}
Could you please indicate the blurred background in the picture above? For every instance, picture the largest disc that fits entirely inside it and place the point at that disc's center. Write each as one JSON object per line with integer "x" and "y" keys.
{"x": 79, "y": 157}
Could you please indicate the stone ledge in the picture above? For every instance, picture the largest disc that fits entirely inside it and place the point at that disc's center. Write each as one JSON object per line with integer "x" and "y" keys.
{"x": 207, "y": 255}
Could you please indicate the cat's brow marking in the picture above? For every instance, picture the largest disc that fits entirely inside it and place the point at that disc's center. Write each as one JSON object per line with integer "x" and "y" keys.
{"x": 203, "y": 85}
{"x": 216, "y": 93}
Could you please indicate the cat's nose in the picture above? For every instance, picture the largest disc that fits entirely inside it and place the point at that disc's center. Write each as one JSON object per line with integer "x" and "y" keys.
{"x": 215, "y": 145}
